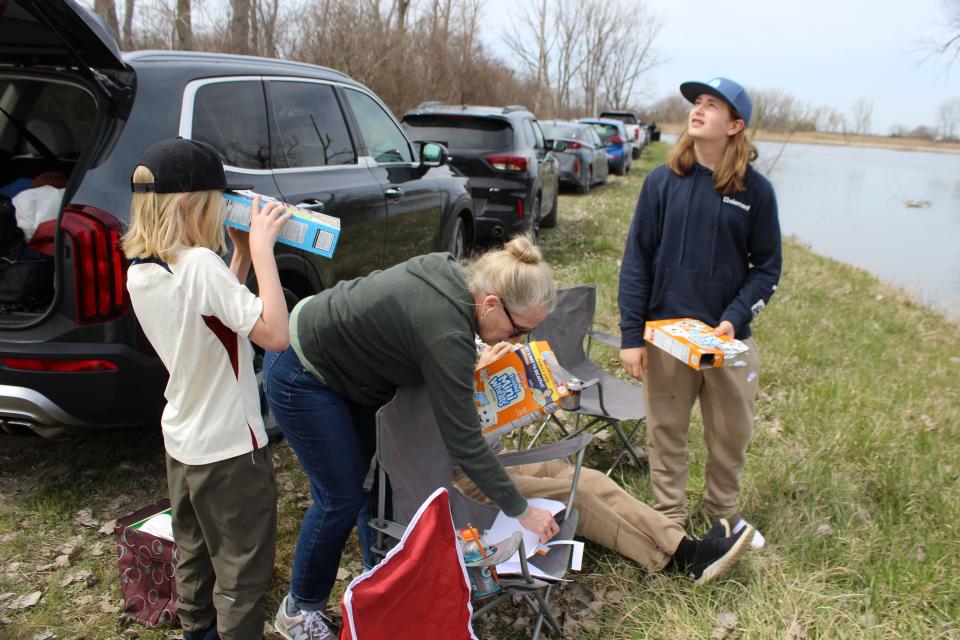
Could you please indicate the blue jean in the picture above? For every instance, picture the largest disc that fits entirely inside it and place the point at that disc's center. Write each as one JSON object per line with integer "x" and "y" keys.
{"x": 334, "y": 440}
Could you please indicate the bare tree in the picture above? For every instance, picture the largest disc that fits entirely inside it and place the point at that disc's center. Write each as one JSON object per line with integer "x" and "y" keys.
{"x": 569, "y": 53}
{"x": 601, "y": 24}
{"x": 184, "y": 26}
{"x": 948, "y": 119}
{"x": 950, "y": 44}
{"x": 534, "y": 53}
{"x": 635, "y": 56}
{"x": 862, "y": 116}
{"x": 128, "y": 24}
{"x": 107, "y": 9}
{"x": 240, "y": 26}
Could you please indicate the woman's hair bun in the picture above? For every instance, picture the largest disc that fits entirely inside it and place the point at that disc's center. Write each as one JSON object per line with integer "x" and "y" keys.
{"x": 523, "y": 249}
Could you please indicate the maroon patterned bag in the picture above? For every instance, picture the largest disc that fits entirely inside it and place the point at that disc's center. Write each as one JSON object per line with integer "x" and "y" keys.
{"x": 147, "y": 568}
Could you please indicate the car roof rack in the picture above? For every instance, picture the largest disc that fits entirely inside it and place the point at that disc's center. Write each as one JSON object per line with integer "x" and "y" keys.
{"x": 514, "y": 107}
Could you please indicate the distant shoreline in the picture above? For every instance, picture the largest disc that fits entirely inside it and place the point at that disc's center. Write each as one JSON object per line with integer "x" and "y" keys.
{"x": 850, "y": 140}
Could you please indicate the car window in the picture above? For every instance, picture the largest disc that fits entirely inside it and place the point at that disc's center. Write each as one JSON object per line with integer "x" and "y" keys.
{"x": 60, "y": 115}
{"x": 605, "y": 131}
{"x": 563, "y": 131}
{"x": 307, "y": 126}
{"x": 537, "y": 141}
{"x": 383, "y": 139}
{"x": 592, "y": 137}
{"x": 459, "y": 132}
{"x": 232, "y": 117}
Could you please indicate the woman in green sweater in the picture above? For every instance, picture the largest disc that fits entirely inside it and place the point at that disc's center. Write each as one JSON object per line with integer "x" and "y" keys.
{"x": 352, "y": 346}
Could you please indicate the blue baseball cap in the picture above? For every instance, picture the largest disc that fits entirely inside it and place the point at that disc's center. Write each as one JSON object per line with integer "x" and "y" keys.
{"x": 725, "y": 89}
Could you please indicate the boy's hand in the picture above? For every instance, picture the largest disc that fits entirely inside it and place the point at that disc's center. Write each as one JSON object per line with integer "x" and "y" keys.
{"x": 240, "y": 240}
{"x": 266, "y": 224}
{"x": 492, "y": 353}
{"x": 725, "y": 328}
{"x": 635, "y": 362}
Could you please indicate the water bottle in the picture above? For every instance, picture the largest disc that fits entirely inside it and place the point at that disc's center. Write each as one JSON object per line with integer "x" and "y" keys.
{"x": 483, "y": 580}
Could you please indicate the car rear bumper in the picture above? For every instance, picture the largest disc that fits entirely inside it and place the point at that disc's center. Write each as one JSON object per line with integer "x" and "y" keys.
{"x": 498, "y": 214}
{"x": 131, "y": 394}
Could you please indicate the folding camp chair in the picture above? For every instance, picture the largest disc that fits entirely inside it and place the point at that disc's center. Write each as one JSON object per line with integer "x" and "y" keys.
{"x": 412, "y": 455}
{"x": 609, "y": 402}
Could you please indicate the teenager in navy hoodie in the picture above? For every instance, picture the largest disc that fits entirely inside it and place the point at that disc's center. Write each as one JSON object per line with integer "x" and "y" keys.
{"x": 704, "y": 243}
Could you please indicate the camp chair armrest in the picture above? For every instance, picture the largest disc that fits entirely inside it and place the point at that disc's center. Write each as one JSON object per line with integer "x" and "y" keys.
{"x": 551, "y": 451}
{"x": 388, "y": 527}
{"x": 610, "y": 339}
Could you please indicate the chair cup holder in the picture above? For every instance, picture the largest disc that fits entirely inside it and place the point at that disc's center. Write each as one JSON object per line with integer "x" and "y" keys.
{"x": 575, "y": 387}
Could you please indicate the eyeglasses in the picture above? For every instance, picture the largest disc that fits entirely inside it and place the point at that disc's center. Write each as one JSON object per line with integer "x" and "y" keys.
{"x": 517, "y": 329}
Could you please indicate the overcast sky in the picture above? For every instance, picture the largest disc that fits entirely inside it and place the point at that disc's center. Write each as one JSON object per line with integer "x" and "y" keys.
{"x": 821, "y": 52}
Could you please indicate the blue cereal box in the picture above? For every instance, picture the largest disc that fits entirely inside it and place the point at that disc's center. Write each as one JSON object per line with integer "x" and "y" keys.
{"x": 314, "y": 232}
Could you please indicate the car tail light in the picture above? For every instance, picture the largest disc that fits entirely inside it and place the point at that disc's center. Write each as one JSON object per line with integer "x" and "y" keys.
{"x": 573, "y": 145}
{"x": 99, "y": 268}
{"x": 614, "y": 140}
{"x": 508, "y": 163}
{"x": 519, "y": 208}
{"x": 56, "y": 365}
{"x": 576, "y": 165}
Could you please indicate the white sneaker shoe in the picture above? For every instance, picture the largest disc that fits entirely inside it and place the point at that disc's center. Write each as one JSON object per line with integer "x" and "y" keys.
{"x": 303, "y": 625}
{"x": 758, "y": 540}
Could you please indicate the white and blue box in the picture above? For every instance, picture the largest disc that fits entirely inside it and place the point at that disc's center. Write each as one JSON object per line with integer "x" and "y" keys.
{"x": 314, "y": 232}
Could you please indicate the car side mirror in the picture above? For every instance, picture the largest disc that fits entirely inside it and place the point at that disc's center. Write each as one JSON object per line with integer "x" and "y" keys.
{"x": 433, "y": 154}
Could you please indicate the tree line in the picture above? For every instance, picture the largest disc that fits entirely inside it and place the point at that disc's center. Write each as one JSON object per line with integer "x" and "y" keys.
{"x": 574, "y": 56}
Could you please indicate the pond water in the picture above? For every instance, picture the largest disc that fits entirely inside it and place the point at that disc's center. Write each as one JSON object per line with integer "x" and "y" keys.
{"x": 893, "y": 213}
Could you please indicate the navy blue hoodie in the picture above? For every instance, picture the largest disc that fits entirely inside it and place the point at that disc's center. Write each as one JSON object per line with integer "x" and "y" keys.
{"x": 693, "y": 252}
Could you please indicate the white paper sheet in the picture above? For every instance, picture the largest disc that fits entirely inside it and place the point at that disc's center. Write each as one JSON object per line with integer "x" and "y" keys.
{"x": 504, "y": 526}
{"x": 160, "y": 525}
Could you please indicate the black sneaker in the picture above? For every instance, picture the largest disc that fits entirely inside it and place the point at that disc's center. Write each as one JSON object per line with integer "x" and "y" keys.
{"x": 714, "y": 557}
{"x": 719, "y": 530}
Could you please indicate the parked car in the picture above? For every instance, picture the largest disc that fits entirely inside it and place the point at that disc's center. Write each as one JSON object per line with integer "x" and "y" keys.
{"x": 76, "y": 356}
{"x": 615, "y": 141}
{"x": 637, "y": 130}
{"x": 583, "y": 161}
{"x": 514, "y": 175}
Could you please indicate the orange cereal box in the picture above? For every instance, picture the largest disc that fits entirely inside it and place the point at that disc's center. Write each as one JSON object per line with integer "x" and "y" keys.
{"x": 518, "y": 388}
{"x": 693, "y": 342}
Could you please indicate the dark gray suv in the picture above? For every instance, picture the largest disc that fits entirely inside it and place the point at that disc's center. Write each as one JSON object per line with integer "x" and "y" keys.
{"x": 76, "y": 114}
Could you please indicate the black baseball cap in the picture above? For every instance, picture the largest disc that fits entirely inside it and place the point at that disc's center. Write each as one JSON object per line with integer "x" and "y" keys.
{"x": 180, "y": 165}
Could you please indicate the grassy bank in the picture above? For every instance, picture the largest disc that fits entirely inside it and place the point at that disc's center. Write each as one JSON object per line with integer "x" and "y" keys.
{"x": 852, "y": 476}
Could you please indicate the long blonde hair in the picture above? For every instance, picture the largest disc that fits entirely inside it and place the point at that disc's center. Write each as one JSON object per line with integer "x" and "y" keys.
{"x": 728, "y": 177}
{"x": 163, "y": 224}
{"x": 517, "y": 273}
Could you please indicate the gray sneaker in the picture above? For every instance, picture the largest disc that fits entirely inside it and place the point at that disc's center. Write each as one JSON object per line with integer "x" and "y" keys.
{"x": 303, "y": 625}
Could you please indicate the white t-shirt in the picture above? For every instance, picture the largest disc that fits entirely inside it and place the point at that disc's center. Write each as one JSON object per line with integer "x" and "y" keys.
{"x": 197, "y": 316}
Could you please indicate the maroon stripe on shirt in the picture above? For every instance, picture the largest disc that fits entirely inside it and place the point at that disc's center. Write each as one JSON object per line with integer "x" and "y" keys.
{"x": 227, "y": 338}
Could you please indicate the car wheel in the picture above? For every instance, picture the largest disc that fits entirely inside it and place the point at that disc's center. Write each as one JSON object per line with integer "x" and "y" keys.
{"x": 585, "y": 187}
{"x": 636, "y": 153}
{"x": 534, "y": 229}
{"x": 457, "y": 241}
{"x": 550, "y": 220}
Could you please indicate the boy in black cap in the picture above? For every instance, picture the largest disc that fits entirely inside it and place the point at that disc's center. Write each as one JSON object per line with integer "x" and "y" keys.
{"x": 704, "y": 243}
{"x": 200, "y": 319}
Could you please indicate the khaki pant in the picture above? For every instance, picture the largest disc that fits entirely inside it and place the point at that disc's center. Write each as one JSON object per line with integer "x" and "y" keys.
{"x": 225, "y": 524}
{"x": 726, "y": 403}
{"x": 609, "y": 516}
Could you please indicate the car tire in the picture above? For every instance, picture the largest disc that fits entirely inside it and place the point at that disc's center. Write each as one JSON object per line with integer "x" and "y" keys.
{"x": 534, "y": 230}
{"x": 585, "y": 187}
{"x": 636, "y": 153}
{"x": 456, "y": 244}
{"x": 550, "y": 220}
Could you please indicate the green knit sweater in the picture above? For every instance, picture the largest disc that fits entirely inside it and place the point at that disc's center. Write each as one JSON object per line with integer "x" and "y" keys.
{"x": 410, "y": 324}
